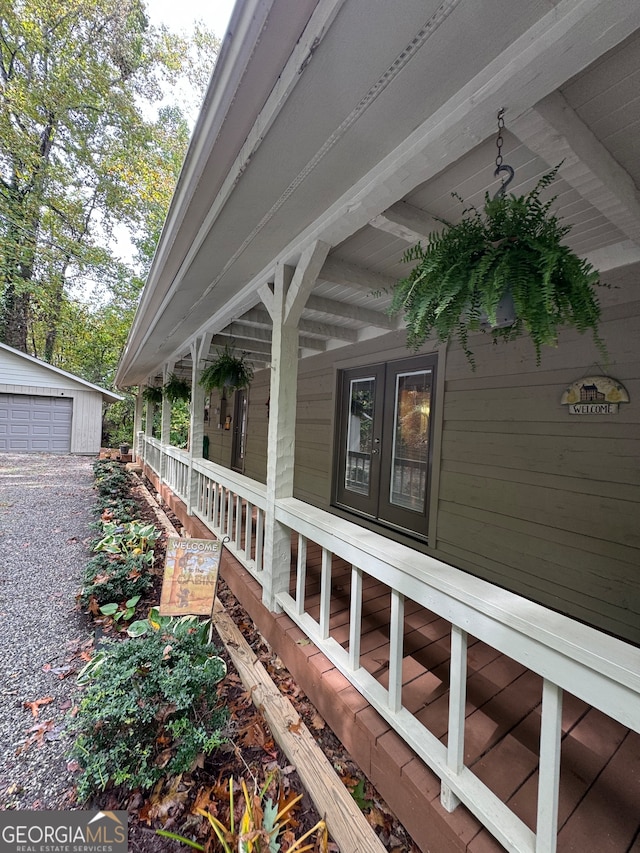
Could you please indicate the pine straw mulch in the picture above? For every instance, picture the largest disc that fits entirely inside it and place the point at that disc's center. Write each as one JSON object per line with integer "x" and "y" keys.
{"x": 251, "y": 752}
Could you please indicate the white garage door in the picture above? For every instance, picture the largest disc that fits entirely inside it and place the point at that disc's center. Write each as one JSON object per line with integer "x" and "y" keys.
{"x": 35, "y": 424}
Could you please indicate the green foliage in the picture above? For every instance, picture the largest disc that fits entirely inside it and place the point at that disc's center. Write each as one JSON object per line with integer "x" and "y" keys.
{"x": 123, "y": 550}
{"x": 148, "y": 710}
{"x": 358, "y": 794}
{"x": 107, "y": 579}
{"x": 121, "y": 610}
{"x": 129, "y": 539}
{"x": 514, "y": 245}
{"x": 117, "y": 422}
{"x": 116, "y": 508}
{"x": 110, "y": 478}
{"x": 228, "y": 372}
{"x": 152, "y": 394}
{"x": 180, "y": 421}
{"x": 176, "y": 389}
{"x": 81, "y": 155}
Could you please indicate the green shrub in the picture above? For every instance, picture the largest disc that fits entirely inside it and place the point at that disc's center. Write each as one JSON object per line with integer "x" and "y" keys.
{"x": 149, "y": 709}
{"x": 121, "y": 509}
{"x": 106, "y": 579}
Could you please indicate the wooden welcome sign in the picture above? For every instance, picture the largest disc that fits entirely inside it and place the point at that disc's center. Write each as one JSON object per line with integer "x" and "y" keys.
{"x": 191, "y": 570}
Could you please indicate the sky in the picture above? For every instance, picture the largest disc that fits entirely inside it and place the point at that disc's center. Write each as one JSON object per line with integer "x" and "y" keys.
{"x": 180, "y": 14}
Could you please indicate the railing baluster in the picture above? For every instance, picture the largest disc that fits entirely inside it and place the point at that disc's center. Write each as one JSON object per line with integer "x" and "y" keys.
{"x": 325, "y": 593}
{"x": 355, "y": 617}
{"x": 396, "y": 650}
{"x": 259, "y": 539}
{"x": 248, "y": 531}
{"x": 229, "y": 529}
{"x": 238, "y": 533}
{"x": 215, "y": 503}
{"x": 549, "y": 775}
{"x": 301, "y": 574}
{"x": 222, "y": 510}
{"x": 457, "y": 701}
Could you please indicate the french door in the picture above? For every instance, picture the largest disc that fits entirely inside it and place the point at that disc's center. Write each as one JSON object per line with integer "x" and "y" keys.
{"x": 384, "y": 441}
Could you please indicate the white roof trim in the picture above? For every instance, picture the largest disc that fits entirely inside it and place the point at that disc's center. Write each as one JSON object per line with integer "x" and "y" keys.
{"x": 109, "y": 396}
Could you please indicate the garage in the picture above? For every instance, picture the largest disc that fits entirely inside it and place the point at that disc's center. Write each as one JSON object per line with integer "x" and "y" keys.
{"x": 44, "y": 409}
{"x": 35, "y": 424}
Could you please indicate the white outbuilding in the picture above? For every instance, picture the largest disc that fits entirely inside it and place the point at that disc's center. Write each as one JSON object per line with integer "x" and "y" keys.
{"x": 44, "y": 409}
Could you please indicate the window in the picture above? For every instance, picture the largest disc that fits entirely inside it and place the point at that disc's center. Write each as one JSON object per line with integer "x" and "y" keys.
{"x": 384, "y": 442}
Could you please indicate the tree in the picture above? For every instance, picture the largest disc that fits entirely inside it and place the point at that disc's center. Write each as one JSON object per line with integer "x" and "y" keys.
{"x": 78, "y": 157}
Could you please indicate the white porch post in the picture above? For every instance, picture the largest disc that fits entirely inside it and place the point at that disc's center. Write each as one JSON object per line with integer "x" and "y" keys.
{"x": 137, "y": 425}
{"x": 165, "y": 422}
{"x": 148, "y": 424}
{"x": 285, "y": 303}
{"x": 199, "y": 347}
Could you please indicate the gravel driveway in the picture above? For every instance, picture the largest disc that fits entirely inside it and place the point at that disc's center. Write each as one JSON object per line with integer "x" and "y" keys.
{"x": 45, "y": 512}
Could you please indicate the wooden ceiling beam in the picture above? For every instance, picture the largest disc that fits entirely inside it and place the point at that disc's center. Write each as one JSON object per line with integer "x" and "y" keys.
{"x": 553, "y": 131}
{"x": 359, "y": 278}
{"x": 347, "y": 311}
{"x": 261, "y": 319}
{"x": 406, "y": 221}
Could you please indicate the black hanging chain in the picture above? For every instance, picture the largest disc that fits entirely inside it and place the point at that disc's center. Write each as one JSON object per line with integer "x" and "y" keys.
{"x": 500, "y": 140}
{"x": 500, "y": 165}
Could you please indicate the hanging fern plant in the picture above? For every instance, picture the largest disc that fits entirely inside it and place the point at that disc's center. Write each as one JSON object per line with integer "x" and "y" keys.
{"x": 228, "y": 372}
{"x": 152, "y": 394}
{"x": 512, "y": 248}
{"x": 176, "y": 389}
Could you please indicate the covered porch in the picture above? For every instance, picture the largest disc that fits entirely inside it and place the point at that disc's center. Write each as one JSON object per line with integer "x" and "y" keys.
{"x": 481, "y": 662}
{"x": 444, "y": 689}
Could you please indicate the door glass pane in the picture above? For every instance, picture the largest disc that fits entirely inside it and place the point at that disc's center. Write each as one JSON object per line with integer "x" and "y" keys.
{"x": 357, "y": 473}
{"x": 409, "y": 449}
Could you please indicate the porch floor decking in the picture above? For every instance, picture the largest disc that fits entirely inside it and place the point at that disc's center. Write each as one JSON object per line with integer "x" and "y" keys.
{"x": 599, "y": 803}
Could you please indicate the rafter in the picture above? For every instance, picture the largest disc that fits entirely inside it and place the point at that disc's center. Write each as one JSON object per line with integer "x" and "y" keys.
{"x": 350, "y": 312}
{"x": 243, "y": 344}
{"x": 611, "y": 257}
{"x": 258, "y": 318}
{"x": 554, "y": 131}
{"x": 407, "y": 222}
{"x": 356, "y": 277}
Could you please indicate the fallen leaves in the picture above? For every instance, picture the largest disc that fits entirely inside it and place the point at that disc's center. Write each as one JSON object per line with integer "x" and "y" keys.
{"x": 38, "y": 734}
{"x": 35, "y": 706}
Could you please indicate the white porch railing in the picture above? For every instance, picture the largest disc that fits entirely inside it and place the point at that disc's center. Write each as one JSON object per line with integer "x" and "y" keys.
{"x": 600, "y": 670}
{"x": 169, "y": 463}
{"x": 233, "y": 507}
{"x": 150, "y": 449}
{"x": 176, "y": 471}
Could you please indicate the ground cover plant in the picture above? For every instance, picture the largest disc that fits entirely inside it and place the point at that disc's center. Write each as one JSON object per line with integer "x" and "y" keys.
{"x": 149, "y": 708}
{"x": 121, "y": 568}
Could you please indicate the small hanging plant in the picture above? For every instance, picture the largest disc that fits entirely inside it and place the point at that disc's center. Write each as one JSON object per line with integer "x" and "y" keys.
{"x": 176, "y": 389}
{"x": 511, "y": 249}
{"x": 152, "y": 394}
{"x": 228, "y": 372}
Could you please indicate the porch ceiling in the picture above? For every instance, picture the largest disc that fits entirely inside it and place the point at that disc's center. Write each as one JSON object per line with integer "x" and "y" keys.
{"x": 357, "y": 126}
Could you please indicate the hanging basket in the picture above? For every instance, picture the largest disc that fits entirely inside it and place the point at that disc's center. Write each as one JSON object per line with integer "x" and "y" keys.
{"x": 176, "y": 389}
{"x": 510, "y": 253}
{"x": 228, "y": 372}
{"x": 152, "y": 394}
